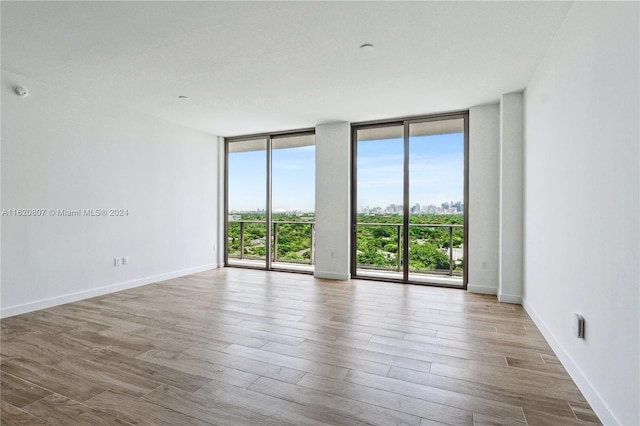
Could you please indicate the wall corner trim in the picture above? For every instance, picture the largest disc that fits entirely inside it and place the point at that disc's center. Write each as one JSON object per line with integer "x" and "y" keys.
{"x": 481, "y": 289}
{"x": 332, "y": 275}
{"x": 99, "y": 291}
{"x": 592, "y": 396}
{"x": 510, "y": 298}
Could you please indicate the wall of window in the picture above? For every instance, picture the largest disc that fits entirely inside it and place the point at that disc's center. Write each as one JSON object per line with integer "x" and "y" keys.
{"x": 270, "y": 201}
{"x": 409, "y": 200}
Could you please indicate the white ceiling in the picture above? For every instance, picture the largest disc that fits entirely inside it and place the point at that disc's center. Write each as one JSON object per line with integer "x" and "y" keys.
{"x": 251, "y": 67}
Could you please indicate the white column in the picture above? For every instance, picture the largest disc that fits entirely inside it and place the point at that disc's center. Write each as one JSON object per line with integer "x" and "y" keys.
{"x": 511, "y": 199}
{"x": 333, "y": 198}
{"x": 484, "y": 152}
{"x": 218, "y": 248}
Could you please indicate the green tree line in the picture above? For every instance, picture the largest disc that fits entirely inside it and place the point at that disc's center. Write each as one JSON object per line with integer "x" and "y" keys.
{"x": 293, "y": 244}
{"x": 428, "y": 246}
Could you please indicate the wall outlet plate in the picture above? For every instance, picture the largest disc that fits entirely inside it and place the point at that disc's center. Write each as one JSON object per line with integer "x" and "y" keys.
{"x": 578, "y": 326}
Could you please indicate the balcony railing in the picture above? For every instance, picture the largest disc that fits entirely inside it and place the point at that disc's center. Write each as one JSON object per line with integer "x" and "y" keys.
{"x": 451, "y": 271}
{"x": 276, "y": 233}
{"x": 249, "y": 228}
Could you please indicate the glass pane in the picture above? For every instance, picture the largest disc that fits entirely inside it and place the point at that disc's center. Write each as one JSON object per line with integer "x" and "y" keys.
{"x": 293, "y": 164}
{"x": 247, "y": 202}
{"x": 380, "y": 171}
{"x": 436, "y": 194}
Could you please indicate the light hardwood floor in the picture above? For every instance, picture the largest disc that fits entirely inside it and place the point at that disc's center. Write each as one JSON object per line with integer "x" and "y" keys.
{"x": 235, "y": 346}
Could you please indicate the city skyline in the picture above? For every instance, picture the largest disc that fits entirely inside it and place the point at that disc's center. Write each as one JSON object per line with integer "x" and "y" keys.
{"x": 449, "y": 207}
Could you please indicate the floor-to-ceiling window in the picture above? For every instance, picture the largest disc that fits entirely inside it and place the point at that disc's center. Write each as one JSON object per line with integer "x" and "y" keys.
{"x": 409, "y": 200}
{"x": 271, "y": 201}
{"x": 247, "y": 202}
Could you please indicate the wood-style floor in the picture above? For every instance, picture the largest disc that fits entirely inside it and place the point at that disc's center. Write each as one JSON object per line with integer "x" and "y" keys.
{"x": 234, "y": 346}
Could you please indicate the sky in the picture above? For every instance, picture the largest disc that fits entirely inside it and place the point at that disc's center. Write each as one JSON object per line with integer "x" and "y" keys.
{"x": 293, "y": 174}
{"x": 436, "y": 165}
{"x": 436, "y": 171}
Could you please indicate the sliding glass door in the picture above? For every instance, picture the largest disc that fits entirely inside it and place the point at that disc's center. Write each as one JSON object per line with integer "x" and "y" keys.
{"x": 293, "y": 164}
{"x": 409, "y": 198}
{"x": 436, "y": 201}
{"x": 247, "y": 202}
{"x": 380, "y": 170}
{"x": 270, "y": 193}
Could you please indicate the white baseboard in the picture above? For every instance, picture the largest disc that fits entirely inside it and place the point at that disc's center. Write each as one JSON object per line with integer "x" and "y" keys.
{"x": 332, "y": 275}
{"x": 597, "y": 404}
{"x": 509, "y": 298}
{"x": 481, "y": 289}
{"x": 111, "y": 288}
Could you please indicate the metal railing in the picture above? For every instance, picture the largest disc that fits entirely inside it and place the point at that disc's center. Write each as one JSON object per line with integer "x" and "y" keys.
{"x": 399, "y": 227}
{"x": 276, "y": 226}
{"x": 275, "y": 238}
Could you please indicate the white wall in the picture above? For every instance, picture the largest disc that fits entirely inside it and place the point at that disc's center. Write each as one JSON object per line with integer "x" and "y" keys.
{"x": 511, "y": 188}
{"x": 333, "y": 197}
{"x": 484, "y": 176}
{"x": 60, "y": 151}
{"x": 581, "y": 203}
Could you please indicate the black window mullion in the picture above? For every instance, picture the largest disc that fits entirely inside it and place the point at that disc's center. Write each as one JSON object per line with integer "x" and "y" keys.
{"x": 268, "y": 219}
{"x": 405, "y": 207}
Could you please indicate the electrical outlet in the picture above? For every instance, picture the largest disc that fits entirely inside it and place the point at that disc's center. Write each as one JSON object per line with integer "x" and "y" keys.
{"x": 578, "y": 326}
{"x": 484, "y": 264}
{"x": 116, "y": 261}
{"x": 125, "y": 260}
